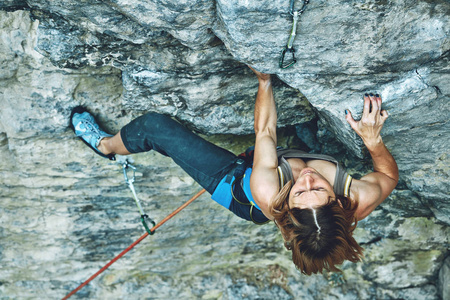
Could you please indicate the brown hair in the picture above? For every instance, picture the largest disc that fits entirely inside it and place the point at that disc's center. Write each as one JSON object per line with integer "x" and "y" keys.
{"x": 319, "y": 238}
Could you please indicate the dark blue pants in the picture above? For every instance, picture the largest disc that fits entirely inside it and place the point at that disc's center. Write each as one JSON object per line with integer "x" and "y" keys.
{"x": 205, "y": 162}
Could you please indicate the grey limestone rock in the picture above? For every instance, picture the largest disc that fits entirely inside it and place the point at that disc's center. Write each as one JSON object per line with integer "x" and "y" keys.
{"x": 66, "y": 212}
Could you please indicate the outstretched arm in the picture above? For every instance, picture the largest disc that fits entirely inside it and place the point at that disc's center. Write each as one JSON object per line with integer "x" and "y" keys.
{"x": 372, "y": 189}
{"x": 264, "y": 178}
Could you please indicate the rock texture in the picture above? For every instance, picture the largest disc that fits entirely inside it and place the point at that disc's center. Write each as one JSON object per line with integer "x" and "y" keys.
{"x": 65, "y": 212}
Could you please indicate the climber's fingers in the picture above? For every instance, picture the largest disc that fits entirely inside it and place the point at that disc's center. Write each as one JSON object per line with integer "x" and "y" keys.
{"x": 350, "y": 120}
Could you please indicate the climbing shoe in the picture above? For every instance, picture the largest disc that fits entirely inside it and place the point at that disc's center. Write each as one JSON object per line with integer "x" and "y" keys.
{"x": 86, "y": 128}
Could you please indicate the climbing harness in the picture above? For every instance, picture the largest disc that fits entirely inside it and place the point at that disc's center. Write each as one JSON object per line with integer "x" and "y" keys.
{"x": 129, "y": 181}
{"x": 249, "y": 203}
{"x": 135, "y": 243}
{"x": 289, "y": 46}
{"x": 224, "y": 192}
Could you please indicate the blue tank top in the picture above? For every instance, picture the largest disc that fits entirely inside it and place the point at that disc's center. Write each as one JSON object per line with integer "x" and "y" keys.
{"x": 246, "y": 187}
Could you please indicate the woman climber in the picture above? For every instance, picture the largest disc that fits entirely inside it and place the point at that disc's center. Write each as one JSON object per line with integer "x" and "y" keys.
{"x": 310, "y": 197}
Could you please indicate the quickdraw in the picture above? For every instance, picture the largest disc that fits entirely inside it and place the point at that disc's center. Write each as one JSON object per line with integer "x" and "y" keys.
{"x": 289, "y": 46}
{"x": 129, "y": 181}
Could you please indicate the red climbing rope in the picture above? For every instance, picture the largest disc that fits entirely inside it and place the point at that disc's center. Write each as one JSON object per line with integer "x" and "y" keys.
{"x": 134, "y": 244}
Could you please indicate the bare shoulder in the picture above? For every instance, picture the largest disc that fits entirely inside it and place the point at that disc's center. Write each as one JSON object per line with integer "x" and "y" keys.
{"x": 264, "y": 186}
{"x": 367, "y": 194}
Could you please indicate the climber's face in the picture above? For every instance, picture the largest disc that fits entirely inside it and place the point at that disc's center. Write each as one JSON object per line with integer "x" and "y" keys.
{"x": 310, "y": 190}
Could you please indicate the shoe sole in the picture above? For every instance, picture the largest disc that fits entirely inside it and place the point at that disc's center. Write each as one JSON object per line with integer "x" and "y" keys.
{"x": 80, "y": 110}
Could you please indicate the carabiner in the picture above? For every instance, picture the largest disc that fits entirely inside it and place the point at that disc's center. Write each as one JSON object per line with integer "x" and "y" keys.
{"x": 143, "y": 220}
{"x": 301, "y": 10}
{"x": 125, "y": 166}
{"x": 291, "y": 63}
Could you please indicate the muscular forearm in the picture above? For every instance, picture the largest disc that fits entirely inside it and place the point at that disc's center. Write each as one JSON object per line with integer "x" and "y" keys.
{"x": 382, "y": 159}
{"x": 372, "y": 189}
{"x": 265, "y": 108}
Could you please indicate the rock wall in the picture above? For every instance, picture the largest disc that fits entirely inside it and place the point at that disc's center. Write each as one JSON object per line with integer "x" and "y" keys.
{"x": 65, "y": 212}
